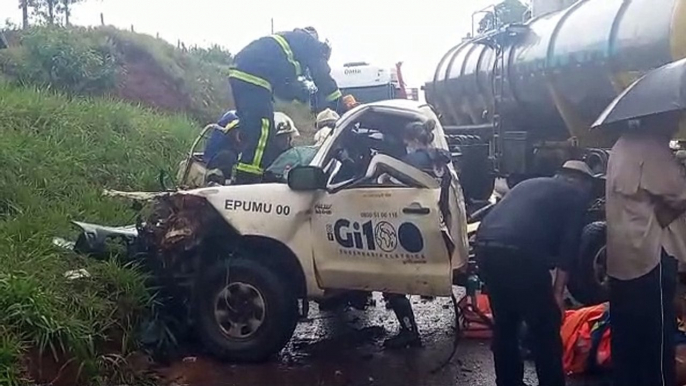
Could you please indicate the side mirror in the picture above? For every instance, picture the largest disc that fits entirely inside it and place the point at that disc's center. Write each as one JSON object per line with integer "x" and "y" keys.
{"x": 306, "y": 178}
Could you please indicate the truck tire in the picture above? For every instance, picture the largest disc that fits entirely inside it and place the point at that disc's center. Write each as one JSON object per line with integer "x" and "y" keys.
{"x": 588, "y": 279}
{"x": 482, "y": 188}
{"x": 244, "y": 312}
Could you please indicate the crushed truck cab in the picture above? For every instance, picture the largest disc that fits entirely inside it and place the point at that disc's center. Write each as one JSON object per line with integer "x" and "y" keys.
{"x": 366, "y": 236}
{"x": 359, "y": 236}
{"x": 356, "y": 219}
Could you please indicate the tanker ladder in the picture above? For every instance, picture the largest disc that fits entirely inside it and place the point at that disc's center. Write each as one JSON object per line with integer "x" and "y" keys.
{"x": 499, "y": 39}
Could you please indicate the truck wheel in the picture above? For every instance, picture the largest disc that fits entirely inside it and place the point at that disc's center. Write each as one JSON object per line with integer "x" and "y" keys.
{"x": 244, "y": 312}
{"x": 514, "y": 179}
{"x": 482, "y": 188}
{"x": 588, "y": 281}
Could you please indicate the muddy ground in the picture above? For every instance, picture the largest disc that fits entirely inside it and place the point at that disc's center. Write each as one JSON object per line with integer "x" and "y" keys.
{"x": 345, "y": 348}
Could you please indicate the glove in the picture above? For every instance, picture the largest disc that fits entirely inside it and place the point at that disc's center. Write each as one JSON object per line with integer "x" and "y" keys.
{"x": 311, "y": 87}
{"x": 304, "y": 92}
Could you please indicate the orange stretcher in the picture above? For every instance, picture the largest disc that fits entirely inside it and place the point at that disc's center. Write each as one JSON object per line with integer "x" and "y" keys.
{"x": 476, "y": 317}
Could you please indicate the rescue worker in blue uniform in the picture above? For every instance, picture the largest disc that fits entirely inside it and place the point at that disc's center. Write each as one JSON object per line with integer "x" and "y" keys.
{"x": 270, "y": 66}
{"x": 223, "y": 146}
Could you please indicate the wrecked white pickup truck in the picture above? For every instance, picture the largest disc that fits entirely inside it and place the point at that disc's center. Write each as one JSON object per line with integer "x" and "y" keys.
{"x": 248, "y": 254}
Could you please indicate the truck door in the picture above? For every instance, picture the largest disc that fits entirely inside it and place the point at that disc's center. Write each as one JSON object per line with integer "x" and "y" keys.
{"x": 381, "y": 239}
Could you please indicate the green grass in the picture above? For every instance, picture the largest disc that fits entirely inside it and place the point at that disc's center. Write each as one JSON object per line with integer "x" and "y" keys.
{"x": 303, "y": 119}
{"x": 57, "y": 154}
{"x": 94, "y": 61}
{"x": 58, "y": 151}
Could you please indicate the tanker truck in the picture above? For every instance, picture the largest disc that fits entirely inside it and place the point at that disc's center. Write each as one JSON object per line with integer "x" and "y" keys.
{"x": 518, "y": 102}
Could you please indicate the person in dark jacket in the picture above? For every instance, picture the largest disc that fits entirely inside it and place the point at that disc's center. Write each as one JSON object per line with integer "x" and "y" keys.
{"x": 269, "y": 66}
{"x": 535, "y": 228}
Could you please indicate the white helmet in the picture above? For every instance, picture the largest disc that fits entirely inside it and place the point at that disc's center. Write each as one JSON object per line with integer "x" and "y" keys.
{"x": 284, "y": 125}
{"x": 327, "y": 117}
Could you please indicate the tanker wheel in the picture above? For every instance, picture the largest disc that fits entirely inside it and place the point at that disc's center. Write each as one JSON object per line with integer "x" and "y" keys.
{"x": 478, "y": 181}
{"x": 480, "y": 188}
{"x": 514, "y": 179}
{"x": 588, "y": 281}
{"x": 597, "y": 161}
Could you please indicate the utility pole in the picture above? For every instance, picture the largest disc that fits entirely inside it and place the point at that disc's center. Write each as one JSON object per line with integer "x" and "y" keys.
{"x": 272, "y": 26}
{"x": 24, "y": 14}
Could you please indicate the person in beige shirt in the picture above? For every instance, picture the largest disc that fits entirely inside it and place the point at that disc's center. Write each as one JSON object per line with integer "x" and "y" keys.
{"x": 646, "y": 193}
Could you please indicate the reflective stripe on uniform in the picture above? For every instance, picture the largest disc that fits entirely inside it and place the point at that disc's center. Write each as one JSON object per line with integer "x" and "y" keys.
{"x": 254, "y": 167}
{"x": 259, "y": 152}
{"x": 334, "y": 95}
{"x": 249, "y": 78}
{"x": 230, "y": 125}
{"x": 289, "y": 53}
{"x": 246, "y": 168}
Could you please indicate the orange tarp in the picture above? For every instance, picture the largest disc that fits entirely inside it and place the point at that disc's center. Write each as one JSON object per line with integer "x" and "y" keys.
{"x": 576, "y": 333}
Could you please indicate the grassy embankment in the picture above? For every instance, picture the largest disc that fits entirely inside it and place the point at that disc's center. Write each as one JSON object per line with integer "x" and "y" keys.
{"x": 82, "y": 110}
{"x": 57, "y": 155}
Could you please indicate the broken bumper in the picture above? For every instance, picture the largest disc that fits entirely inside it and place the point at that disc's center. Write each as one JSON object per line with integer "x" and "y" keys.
{"x": 96, "y": 240}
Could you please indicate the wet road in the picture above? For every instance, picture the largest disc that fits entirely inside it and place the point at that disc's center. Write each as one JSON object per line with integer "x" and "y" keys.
{"x": 345, "y": 348}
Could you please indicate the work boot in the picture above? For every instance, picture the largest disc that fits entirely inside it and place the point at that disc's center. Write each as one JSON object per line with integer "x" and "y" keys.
{"x": 404, "y": 339}
{"x": 409, "y": 333}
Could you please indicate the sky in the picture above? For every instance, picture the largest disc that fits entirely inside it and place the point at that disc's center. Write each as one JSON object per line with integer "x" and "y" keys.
{"x": 381, "y": 32}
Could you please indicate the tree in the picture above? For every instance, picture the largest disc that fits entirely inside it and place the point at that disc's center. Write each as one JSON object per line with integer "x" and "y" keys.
{"x": 506, "y": 12}
{"x": 52, "y": 11}
{"x": 44, "y": 10}
{"x": 65, "y": 8}
{"x": 24, "y": 5}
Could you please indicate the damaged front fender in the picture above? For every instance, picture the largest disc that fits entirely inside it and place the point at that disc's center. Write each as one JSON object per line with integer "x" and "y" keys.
{"x": 180, "y": 222}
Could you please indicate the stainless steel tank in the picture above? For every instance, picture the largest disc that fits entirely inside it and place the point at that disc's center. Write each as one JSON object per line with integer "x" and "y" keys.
{"x": 541, "y": 7}
{"x": 563, "y": 71}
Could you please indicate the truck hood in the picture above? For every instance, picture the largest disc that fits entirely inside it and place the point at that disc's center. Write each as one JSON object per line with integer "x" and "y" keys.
{"x": 267, "y": 209}
{"x": 272, "y": 209}
{"x": 202, "y": 192}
